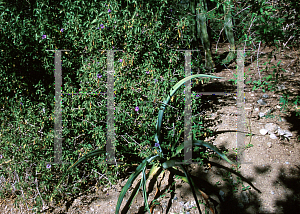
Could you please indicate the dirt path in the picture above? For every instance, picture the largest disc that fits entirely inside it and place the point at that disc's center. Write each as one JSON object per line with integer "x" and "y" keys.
{"x": 270, "y": 170}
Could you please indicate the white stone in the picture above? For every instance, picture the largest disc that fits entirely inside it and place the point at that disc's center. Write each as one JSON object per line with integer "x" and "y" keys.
{"x": 280, "y": 131}
{"x": 271, "y": 127}
{"x": 288, "y": 134}
{"x": 263, "y": 131}
{"x": 273, "y": 136}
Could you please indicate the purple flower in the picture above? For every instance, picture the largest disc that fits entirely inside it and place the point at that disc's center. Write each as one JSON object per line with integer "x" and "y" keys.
{"x": 109, "y": 10}
{"x": 102, "y": 26}
{"x": 44, "y": 37}
{"x": 98, "y": 28}
{"x": 155, "y": 80}
{"x": 121, "y": 60}
{"x": 147, "y": 72}
{"x": 48, "y": 166}
{"x": 113, "y": 47}
{"x": 197, "y": 95}
{"x": 99, "y": 76}
{"x": 1, "y": 156}
{"x": 156, "y": 145}
{"x": 62, "y": 30}
{"x": 136, "y": 108}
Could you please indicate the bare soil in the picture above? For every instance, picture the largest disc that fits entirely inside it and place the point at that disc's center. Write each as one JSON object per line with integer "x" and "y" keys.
{"x": 270, "y": 170}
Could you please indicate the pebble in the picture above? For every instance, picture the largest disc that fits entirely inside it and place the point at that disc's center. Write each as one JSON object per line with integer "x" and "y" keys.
{"x": 271, "y": 127}
{"x": 261, "y": 102}
{"x": 273, "y": 136}
{"x": 265, "y": 96}
{"x": 263, "y": 131}
{"x": 222, "y": 194}
{"x": 269, "y": 144}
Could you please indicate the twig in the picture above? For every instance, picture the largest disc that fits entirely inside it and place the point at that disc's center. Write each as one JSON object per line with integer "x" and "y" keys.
{"x": 288, "y": 41}
{"x": 102, "y": 175}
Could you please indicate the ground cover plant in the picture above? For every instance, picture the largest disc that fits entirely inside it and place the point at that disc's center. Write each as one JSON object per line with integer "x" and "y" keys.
{"x": 147, "y": 67}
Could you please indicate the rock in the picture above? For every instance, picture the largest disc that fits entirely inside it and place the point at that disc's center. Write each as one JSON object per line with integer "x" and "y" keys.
{"x": 281, "y": 87}
{"x": 273, "y": 136}
{"x": 271, "y": 127}
{"x": 261, "y": 102}
{"x": 263, "y": 131}
{"x": 269, "y": 144}
{"x": 288, "y": 134}
{"x": 284, "y": 133}
{"x": 280, "y": 131}
{"x": 261, "y": 114}
{"x": 222, "y": 194}
{"x": 265, "y": 96}
{"x": 282, "y": 119}
{"x": 244, "y": 197}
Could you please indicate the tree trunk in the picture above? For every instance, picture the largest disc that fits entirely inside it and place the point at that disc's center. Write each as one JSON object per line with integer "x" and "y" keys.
{"x": 202, "y": 33}
{"x": 229, "y": 32}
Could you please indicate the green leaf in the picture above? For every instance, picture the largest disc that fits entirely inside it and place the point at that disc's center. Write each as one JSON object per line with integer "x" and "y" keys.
{"x": 130, "y": 180}
{"x": 172, "y": 92}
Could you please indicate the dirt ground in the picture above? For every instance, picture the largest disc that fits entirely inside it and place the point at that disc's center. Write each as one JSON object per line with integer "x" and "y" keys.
{"x": 270, "y": 169}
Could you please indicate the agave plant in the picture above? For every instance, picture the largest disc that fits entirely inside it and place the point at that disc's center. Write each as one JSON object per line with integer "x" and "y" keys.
{"x": 163, "y": 162}
{"x": 166, "y": 162}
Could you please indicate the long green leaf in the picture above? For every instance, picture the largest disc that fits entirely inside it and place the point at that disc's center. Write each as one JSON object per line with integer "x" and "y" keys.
{"x": 172, "y": 92}
{"x": 208, "y": 145}
{"x": 192, "y": 185}
{"x": 130, "y": 180}
{"x": 212, "y": 147}
{"x": 171, "y": 163}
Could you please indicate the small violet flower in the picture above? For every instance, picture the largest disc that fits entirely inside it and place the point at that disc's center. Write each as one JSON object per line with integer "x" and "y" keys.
{"x": 156, "y": 145}
{"x": 44, "y": 37}
{"x": 121, "y": 60}
{"x": 1, "y": 156}
{"x": 48, "y": 166}
{"x": 109, "y": 10}
{"x": 147, "y": 72}
{"x": 136, "y": 108}
{"x": 99, "y": 76}
{"x": 62, "y": 30}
